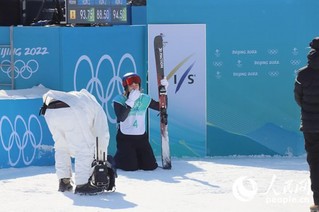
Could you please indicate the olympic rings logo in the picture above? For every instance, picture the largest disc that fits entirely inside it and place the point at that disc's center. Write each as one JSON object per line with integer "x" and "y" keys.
{"x": 94, "y": 81}
{"x": 273, "y": 73}
{"x": 294, "y": 62}
{"x": 272, "y": 51}
{"x": 25, "y": 70}
{"x": 21, "y": 137}
{"x": 217, "y": 63}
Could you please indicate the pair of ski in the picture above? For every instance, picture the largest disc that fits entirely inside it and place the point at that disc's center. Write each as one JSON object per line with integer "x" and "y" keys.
{"x": 159, "y": 61}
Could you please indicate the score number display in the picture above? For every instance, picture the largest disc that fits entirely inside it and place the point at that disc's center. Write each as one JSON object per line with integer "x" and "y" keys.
{"x": 111, "y": 12}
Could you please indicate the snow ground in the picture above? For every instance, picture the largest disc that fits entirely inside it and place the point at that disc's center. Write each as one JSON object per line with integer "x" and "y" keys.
{"x": 232, "y": 184}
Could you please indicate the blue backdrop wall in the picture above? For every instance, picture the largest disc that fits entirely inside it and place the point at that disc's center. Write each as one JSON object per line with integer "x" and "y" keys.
{"x": 253, "y": 51}
{"x": 254, "y": 48}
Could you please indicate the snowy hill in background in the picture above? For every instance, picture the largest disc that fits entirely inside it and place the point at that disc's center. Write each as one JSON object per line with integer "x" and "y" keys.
{"x": 279, "y": 139}
{"x": 225, "y": 143}
{"x": 232, "y": 184}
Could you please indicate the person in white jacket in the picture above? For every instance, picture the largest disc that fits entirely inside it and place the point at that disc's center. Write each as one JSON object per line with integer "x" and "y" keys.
{"x": 76, "y": 120}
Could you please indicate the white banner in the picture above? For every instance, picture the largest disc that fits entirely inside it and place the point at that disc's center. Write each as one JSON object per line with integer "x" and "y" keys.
{"x": 185, "y": 68}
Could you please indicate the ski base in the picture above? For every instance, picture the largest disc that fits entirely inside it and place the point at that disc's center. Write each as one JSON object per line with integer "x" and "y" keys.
{"x": 162, "y": 92}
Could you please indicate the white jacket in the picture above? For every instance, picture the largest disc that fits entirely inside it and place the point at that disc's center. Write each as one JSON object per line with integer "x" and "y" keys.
{"x": 75, "y": 129}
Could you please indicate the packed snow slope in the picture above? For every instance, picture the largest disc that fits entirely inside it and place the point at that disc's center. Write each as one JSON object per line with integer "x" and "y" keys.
{"x": 231, "y": 184}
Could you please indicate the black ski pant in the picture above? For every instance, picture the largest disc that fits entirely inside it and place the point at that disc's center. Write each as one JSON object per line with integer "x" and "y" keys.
{"x": 134, "y": 152}
{"x": 312, "y": 149}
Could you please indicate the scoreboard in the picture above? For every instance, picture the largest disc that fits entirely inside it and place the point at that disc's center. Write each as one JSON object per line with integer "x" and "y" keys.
{"x": 109, "y": 12}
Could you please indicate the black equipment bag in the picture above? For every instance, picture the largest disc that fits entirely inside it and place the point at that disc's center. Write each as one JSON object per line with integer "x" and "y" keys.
{"x": 104, "y": 172}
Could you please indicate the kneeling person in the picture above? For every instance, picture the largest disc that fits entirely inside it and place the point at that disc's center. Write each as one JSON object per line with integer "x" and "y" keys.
{"x": 134, "y": 151}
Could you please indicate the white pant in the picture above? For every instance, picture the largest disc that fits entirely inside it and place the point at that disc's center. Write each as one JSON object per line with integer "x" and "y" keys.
{"x": 70, "y": 142}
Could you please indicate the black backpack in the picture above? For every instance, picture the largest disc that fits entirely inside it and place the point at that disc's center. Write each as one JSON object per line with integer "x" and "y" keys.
{"x": 104, "y": 174}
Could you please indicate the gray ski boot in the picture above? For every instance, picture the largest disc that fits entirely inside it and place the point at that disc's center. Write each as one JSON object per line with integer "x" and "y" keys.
{"x": 314, "y": 208}
{"x": 65, "y": 185}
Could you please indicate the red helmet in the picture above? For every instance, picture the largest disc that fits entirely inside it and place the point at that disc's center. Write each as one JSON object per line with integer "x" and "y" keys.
{"x": 130, "y": 78}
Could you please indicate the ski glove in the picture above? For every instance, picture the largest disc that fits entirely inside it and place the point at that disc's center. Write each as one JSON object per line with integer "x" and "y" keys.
{"x": 165, "y": 83}
{"x": 133, "y": 96}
